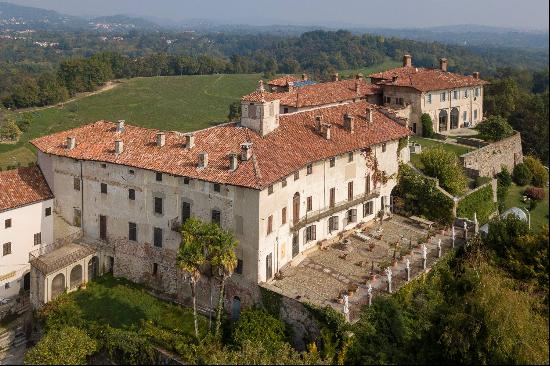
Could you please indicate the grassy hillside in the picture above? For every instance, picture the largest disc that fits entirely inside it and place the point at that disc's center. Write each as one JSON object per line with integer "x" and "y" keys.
{"x": 182, "y": 103}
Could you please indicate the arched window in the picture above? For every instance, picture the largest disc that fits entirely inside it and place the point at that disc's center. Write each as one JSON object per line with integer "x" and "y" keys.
{"x": 454, "y": 118}
{"x": 58, "y": 285}
{"x": 443, "y": 117}
{"x": 76, "y": 276}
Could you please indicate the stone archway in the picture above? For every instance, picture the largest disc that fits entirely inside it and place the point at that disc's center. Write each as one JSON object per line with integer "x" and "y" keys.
{"x": 235, "y": 308}
{"x": 443, "y": 118}
{"x": 455, "y": 115}
{"x": 58, "y": 285}
{"x": 93, "y": 268}
{"x": 76, "y": 276}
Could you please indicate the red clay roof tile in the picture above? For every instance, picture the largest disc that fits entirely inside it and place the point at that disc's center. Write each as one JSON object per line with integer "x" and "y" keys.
{"x": 23, "y": 186}
{"x": 290, "y": 147}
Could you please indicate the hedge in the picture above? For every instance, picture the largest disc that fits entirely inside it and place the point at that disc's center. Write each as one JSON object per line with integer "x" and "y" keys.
{"x": 480, "y": 202}
{"x": 422, "y": 197}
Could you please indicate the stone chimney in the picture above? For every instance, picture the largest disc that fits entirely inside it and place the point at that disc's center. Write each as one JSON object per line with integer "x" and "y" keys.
{"x": 407, "y": 61}
{"x": 349, "y": 123}
{"x": 203, "y": 160}
{"x": 357, "y": 86}
{"x": 335, "y": 77}
{"x": 120, "y": 126}
{"x": 304, "y": 77}
{"x": 476, "y": 75}
{"x": 189, "y": 141}
{"x": 443, "y": 63}
{"x": 318, "y": 122}
{"x": 325, "y": 130}
{"x": 161, "y": 139}
{"x": 71, "y": 143}
{"x": 261, "y": 87}
{"x": 369, "y": 114}
{"x": 359, "y": 76}
{"x": 119, "y": 147}
{"x": 233, "y": 161}
{"x": 246, "y": 151}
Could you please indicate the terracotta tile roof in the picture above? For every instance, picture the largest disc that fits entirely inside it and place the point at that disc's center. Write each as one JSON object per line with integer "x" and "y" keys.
{"x": 23, "y": 186}
{"x": 329, "y": 92}
{"x": 261, "y": 96}
{"x": 283, "y": 80}
{"x": 318, "y": 94}
{"x": 424, "y": 79}
{"x": 292, "y": 146}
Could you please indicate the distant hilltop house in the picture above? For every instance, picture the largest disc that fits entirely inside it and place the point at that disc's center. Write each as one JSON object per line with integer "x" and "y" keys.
{"x": 452, "y": 100}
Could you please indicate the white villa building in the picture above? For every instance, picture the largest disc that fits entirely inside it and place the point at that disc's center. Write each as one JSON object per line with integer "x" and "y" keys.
{"x": 26, "y": 224}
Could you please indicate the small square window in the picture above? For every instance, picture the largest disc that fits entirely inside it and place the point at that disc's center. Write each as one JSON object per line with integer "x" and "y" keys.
{"x": 297, "y": 175}
{"x": 37, "y": 238}
{"x": 131, "y": 194}
{"x": 7, "y": 285}
{"x": 76, "y": 183}
{"x": 103, "y": 165}
{"x": 185, "y": 180}
{"x": 48, "y": 211}
{"x": 332, "y": 162}
{"x": 350, "y": 156}
{"x": 384, "y": 147}
{"x": 270, "y": 189}
{"x": 309, "y": 169}
{"x": 6, "y": 249}
{"x": 104, "y": 188}
{"x": 158, "y": 177}
{"x": 7, "y": 223}
{"x": 131, "y": 172}
{"x": 283, "y": 182}
{"x": 217, "y": 187}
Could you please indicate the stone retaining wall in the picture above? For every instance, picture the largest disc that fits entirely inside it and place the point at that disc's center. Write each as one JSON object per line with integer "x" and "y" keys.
{"x": 489, "y": 160}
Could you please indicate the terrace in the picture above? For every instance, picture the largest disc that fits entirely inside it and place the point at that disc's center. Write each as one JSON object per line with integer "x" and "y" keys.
{"x": 349, "y": 264}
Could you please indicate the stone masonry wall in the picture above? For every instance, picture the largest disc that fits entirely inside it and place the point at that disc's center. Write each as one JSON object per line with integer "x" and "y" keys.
{"x": 489, "y": 160}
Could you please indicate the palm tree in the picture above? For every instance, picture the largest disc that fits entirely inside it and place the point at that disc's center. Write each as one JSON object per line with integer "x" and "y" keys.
{"x": 223, "y": 257}
{"x": 191, "y": 256}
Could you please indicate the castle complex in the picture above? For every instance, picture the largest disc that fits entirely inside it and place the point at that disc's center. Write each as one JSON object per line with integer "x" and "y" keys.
{"x": 306, "y": 162}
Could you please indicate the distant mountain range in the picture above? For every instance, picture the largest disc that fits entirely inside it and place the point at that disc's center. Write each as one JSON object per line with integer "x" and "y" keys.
{"x": 17, "y": 18}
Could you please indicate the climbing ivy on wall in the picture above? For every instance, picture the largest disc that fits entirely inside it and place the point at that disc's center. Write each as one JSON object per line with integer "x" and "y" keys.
{"x": 271, "y": 301}
{"x": 480, "y": 202}
{"x": 421, "y": 196}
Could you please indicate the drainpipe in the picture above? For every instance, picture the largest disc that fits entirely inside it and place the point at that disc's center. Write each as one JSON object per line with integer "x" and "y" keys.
{"x": 81, "y": 199}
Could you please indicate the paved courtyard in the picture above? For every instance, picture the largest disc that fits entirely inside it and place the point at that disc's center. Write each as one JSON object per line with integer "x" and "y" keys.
{"x": 353, "y": 262}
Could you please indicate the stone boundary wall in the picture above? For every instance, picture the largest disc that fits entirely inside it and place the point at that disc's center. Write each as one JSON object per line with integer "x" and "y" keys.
{"x": 469, "y": 141}
{"x": 489, "y": 160}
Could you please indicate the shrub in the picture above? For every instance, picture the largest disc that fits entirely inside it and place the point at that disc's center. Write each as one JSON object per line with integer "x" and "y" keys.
{"x": 445, "y": 166}
{"x": 427, "y": 125}
{"x": 259, "y": 327}
{"x": 495, "y": 128}
{"x": 482, "y": 180}
{"x": 504, "y": 181}
{"x": 64, "y": 346}
{"x": 535, "y": 193}
{"x": 9, "y": 130}
{"x": 522, "y": 174}
{"x": 540, "y": 174}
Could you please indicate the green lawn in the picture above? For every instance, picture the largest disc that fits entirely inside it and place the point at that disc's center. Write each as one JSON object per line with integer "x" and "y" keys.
{"x": 122, "y": 304}
{"x": 539, "y": 216}
{"x": 182, "y": 103}
{"x": 428, "y": 144}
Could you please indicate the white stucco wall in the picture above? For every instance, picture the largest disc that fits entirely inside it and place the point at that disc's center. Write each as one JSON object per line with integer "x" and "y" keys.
{"x": 25, "y": 222}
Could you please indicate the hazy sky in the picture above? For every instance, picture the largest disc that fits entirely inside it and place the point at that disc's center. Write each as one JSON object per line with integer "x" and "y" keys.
{"x": 532, "y": 14}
